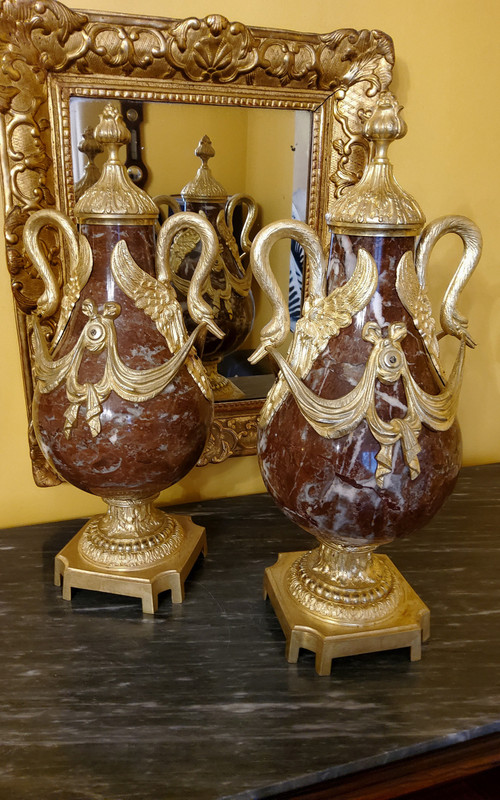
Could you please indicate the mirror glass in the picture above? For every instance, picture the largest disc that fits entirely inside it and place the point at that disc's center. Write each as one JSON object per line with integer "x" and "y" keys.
{"x": 262, "y": 152}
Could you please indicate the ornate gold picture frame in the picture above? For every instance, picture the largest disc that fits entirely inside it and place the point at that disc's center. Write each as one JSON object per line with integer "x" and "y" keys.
{"x": 51, "y": 53}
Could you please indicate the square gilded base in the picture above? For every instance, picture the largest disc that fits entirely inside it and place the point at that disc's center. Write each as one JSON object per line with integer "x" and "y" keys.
{"x": 407, "y": 626}
{"x": 76, "y": 572}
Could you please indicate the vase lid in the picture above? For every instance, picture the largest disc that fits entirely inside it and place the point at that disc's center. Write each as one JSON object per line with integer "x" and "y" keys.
{"x": 114, "y": 197}
{"x": 204, "y": 186}
{"x": 377, "y": 205}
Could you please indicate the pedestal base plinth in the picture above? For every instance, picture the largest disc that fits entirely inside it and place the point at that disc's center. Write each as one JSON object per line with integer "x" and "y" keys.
{"x": 76, "y": 572}
{"x": 407, "y": 626}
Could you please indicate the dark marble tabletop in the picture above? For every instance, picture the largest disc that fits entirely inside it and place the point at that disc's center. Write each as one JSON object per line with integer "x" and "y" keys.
{"x": 198, "y": 702}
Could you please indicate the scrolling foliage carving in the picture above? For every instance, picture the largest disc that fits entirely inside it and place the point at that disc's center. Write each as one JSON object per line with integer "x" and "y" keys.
{"x": 42, "y": 40}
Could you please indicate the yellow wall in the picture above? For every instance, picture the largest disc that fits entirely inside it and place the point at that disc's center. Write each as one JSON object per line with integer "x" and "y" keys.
{"x": 171, "y": 135}
{"x": 446, "y": 77}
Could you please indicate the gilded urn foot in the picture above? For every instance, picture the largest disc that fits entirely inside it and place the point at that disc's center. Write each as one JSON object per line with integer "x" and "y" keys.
{"x": 177, "y": 537}
{"x": 222, "y": 387}
{"x": 343, "y": 610}
{"x": 132, "y": 534}
{"x": 345, "y": 585}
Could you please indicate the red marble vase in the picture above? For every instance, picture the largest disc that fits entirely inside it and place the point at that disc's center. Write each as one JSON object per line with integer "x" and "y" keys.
{"x": 122, "y": 406}
{"x": 233, "y": 311}
{"x": 358, "y": 440}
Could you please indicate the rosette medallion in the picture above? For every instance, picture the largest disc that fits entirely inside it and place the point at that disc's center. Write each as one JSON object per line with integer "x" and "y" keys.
{"x": 122, "y": 405}
{"x": 358, "y": 439}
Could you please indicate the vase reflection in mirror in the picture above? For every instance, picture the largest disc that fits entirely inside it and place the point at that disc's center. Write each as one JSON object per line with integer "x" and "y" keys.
{"x": 358, "y": 438}
{"x": 91, "y": 149}
{"x": 227, "y": 291}
{"x": 122, "y": 406}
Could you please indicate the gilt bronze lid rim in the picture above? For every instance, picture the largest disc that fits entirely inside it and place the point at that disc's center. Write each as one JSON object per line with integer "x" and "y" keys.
{"x": 374, "y": 228}
{"x": 118, "y": 219}
{"x": 204, "y": 198}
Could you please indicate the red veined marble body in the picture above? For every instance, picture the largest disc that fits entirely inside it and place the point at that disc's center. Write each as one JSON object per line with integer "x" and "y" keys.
{"x": 328, "y": 486}
{"x": 142, "y": 447}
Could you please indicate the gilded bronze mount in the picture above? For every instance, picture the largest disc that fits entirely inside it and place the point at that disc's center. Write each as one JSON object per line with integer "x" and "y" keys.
{"x": 398, "y": 620}
{"x": 89, "y": 561}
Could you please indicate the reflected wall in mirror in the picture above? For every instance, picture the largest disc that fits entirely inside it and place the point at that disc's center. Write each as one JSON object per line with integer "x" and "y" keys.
{"x": 256, "y": 92}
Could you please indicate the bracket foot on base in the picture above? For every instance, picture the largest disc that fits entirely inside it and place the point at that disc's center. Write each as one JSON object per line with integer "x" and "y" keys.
{"x": 76, "y": 572}
{"x": 407, "y": 626}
